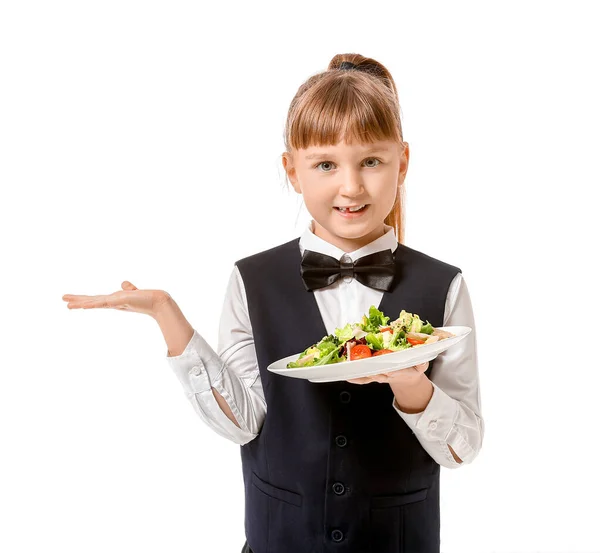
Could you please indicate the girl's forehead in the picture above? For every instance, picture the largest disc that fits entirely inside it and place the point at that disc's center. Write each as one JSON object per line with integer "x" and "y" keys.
{"x": 344, "y": 147}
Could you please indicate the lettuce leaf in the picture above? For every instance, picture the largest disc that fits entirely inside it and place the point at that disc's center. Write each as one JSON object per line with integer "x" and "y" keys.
{"x": 345, "y": 333}
{"x": 427, "y": 329}
{"x": 374, "y": 321}
{"x": 398, "y": 341}
{"x": 374, "y": 340}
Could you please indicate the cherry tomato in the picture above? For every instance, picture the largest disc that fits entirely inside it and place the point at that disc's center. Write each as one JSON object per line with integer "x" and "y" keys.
{"x": 360, "y": 352}
{"x": 382, "y": 352}
{"x": 415, "y": 341}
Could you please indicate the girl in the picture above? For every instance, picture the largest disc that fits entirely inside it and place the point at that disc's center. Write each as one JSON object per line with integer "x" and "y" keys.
{"x": 334, "y": 466}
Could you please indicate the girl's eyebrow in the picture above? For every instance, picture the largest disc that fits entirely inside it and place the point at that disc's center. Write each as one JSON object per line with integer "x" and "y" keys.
{"x": 371, "y": 151}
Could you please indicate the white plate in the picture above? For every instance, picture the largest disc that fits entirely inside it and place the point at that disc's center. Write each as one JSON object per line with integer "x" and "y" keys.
{"x": 388, "y": 362}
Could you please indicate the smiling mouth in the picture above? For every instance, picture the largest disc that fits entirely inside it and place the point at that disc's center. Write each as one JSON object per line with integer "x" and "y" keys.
{"x": 351, "y": 210}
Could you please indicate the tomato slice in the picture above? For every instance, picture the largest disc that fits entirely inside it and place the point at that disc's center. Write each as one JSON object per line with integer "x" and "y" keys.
{"x": 415, "y": 341}
{"x": 382, "y": 352}
{"x": 360, "y": 352}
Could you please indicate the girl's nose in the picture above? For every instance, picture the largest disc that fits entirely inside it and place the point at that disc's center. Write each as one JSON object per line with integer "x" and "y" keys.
{"x": 352, "y": 184}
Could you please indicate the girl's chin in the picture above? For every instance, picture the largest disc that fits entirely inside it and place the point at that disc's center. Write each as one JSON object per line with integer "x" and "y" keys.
{"x": 346, "y": 227}
{"x": 353, "y": 229}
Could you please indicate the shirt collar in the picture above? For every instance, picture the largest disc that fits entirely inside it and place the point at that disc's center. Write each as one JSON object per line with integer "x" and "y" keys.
{"x": 310, "y": 241}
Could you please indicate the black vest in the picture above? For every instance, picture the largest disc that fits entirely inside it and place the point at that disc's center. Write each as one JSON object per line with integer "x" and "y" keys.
{"x": 334, "y": 468}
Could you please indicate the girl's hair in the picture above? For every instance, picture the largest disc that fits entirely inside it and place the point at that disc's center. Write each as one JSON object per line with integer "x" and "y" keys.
{"x": 360, "y": 104}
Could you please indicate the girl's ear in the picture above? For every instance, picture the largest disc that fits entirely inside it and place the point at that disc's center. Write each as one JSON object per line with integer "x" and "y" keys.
{"x": 288, "y": 165}
{"x": 404, "y": 157}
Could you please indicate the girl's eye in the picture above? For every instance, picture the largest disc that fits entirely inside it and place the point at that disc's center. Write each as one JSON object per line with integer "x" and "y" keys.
{"x": 330, "y": 163}
{"x": 374, "y": 159}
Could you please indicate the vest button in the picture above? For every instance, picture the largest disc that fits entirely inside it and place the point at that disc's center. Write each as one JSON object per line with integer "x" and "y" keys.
{"x": 341, "y": 440}
{"x": 339, "y": 488}
{"x": 345, "y": 396}
{"x": 337, "y": 535}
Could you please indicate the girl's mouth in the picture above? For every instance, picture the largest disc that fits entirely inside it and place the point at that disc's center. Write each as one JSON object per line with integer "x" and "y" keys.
{"x": 352, "y": 214}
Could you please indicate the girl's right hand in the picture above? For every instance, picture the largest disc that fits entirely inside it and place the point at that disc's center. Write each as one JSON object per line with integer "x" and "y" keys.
{"x": 128, "y": 299}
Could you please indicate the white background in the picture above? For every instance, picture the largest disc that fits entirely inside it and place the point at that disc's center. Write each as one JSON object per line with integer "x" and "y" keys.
{"x": 141, "y": 141}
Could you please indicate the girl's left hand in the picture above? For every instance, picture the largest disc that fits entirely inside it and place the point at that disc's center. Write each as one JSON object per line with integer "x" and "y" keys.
{"x": 407, "y": 375}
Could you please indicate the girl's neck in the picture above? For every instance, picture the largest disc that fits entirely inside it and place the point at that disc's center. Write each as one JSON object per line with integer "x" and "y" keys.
{"x": 347, "y": 244}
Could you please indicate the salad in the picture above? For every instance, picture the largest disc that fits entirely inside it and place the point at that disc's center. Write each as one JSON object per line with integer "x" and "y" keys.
{"x": 370, "y": 337}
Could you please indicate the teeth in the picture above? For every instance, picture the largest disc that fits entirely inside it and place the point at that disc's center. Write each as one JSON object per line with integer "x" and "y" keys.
{"x": 344, "y": 209}
{"x": 357, "y": 208}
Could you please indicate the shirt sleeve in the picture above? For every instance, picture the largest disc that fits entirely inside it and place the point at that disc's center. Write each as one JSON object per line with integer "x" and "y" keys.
{"x": 232, "y": 371}
{"x": 453, "y": 414}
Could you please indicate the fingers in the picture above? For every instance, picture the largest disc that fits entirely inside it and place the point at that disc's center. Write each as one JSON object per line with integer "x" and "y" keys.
{"x": 80, "y": 301}
{"x": 363, "y": 380}
{"x": 93, "y": 303}
{"x": 387, "y": 377}
{"x": 401, "y": 374}
{"x": 422, "y": 367}
{"x": 367, "y": 379}
{"x": 85, "y": 302}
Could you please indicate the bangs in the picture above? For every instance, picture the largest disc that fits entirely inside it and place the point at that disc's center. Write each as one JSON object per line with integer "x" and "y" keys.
{"x": 352, "y": 108}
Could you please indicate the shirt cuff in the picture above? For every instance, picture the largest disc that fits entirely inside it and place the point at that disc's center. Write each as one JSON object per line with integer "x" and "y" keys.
{"x": 437, "y": 420}
{"x": 197, "y": 366}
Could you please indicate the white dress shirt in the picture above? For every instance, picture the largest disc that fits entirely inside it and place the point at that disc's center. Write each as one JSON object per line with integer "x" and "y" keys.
{"x": 452, "y": 417}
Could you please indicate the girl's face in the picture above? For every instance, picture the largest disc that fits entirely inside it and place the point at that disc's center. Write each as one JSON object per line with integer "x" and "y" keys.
{"x": 344, "y": 175}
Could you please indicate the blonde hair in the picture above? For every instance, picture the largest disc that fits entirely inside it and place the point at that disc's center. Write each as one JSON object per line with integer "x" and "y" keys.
{"x": 360, "y": 104}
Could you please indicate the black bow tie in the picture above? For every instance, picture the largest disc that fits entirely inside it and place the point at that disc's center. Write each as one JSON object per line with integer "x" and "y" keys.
{"x": 375, "y": 270}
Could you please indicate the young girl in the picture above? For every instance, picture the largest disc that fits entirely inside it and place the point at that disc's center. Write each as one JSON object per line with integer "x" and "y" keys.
{"x": 339, "y": 466}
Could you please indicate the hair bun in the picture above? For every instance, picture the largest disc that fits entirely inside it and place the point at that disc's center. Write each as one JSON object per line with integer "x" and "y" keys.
{"x": 347, "y": 65}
